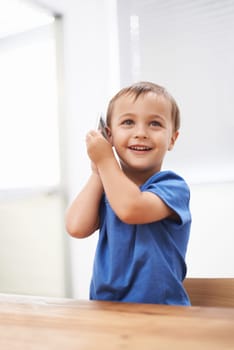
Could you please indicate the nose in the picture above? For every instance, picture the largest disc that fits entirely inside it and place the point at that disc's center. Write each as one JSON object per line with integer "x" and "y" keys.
{"x": 140, "y": 131}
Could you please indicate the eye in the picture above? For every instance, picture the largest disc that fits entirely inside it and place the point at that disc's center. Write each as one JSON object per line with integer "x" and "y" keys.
{"x": 127, "y": 122}
{"x": 155, "y": 123}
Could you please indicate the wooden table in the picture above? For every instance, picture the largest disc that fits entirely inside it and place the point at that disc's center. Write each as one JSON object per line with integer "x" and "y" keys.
{"x": 48, "y": 323}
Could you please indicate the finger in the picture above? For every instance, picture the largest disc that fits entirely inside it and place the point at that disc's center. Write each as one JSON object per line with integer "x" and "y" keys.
{"x": 89, "y": 135}
{"x": 93, "y": 132}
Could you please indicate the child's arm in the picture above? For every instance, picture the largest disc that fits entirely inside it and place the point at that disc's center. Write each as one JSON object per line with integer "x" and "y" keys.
{"x": 82, "y": 217}
{"x": 129, "y": 203}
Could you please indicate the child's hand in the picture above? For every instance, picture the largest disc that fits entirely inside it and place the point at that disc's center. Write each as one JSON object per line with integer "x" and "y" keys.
{"x": 98, "y": 147}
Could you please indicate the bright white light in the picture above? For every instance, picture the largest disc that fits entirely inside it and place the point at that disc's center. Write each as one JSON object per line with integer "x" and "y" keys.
{"x": 20, "y": 15}
{"x": 134, "y": 24}
{"x": 29, "y": 144}
{"x": 135, "y": 47}
{"x": 28, "y": 116}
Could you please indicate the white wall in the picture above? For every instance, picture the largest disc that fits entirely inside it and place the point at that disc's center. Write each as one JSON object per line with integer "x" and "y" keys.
{"x": 210, "y": 251}
{"x": 91, "y": 77}
{"x": 32, "y": 245}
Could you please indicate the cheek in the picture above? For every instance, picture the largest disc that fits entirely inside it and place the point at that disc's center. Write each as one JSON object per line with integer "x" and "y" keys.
{"x": 164, "y": 142}
{"x": 119, "y": 137}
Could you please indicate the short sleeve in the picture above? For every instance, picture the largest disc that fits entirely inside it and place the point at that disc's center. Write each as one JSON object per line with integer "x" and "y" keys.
{"x": 173, "y": 190}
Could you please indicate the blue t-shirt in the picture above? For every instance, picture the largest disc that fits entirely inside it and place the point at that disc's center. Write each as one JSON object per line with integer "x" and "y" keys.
{"x": 144, "y": 263}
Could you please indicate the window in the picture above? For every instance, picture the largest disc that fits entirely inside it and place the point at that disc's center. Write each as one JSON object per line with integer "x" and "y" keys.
{"x": 32, "y": 253}
{"x": 29, "y": 141}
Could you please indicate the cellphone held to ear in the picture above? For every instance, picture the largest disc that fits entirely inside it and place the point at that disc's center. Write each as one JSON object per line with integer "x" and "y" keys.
{"x": 101, "y": 126}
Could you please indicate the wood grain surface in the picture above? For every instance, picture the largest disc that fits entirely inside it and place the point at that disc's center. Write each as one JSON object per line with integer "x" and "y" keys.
{"x": 48, "y": 323}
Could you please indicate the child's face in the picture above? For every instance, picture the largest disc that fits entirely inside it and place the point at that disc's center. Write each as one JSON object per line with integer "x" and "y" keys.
{"x": 142, "y": 132}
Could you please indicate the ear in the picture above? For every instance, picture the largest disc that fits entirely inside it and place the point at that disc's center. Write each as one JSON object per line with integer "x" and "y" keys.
{"x": 174, "y": 137}
{"x": 109, "y": 135}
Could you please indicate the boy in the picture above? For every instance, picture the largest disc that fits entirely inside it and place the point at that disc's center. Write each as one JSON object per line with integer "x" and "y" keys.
{"x": 142, "y": 213}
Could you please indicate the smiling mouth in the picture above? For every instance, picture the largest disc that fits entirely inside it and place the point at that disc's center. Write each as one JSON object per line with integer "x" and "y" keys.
{"x": 140, "y": 148}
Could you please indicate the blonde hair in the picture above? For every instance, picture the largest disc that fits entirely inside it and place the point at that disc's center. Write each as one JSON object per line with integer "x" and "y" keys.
{"x": 142, "y": 88}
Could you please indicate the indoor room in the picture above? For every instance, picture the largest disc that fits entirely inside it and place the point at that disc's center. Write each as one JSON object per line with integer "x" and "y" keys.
{"x": 60, "y": 64}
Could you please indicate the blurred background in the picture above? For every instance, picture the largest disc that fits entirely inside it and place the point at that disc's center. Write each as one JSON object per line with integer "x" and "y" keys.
{"x": 60, "y": 63}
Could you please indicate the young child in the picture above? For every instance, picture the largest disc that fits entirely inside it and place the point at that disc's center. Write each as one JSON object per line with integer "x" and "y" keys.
{"x": 142, "y": 212}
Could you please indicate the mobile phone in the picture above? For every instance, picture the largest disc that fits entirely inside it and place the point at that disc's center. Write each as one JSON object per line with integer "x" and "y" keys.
{"x": 101, "y": 126}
